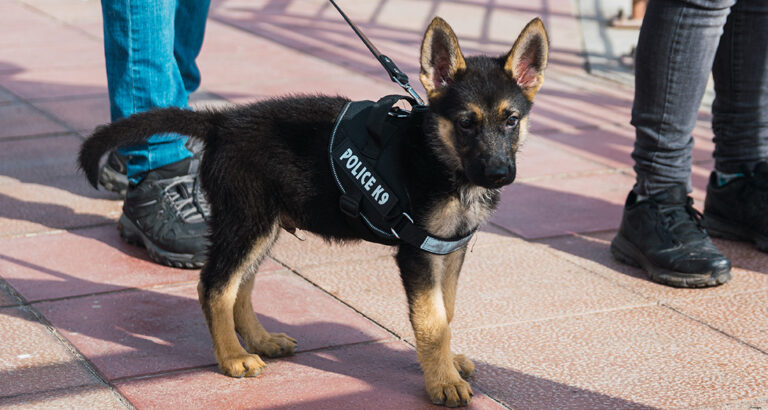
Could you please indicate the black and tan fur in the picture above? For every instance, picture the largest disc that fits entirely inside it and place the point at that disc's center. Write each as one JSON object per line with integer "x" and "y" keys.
{"x": 266, "y": 166}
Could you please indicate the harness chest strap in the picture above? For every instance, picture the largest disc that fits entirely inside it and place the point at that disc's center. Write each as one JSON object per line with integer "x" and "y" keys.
{"x": 409, "y": 232}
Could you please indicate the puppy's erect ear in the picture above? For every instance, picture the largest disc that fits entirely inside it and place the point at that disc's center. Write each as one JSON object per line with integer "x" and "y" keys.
{"x": 528, "y": 58}
{"x": 441, "y": 57}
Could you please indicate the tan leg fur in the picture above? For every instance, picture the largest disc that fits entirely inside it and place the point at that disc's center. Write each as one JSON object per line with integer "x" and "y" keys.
{"x": 256, "y": 338}
{"x": 452, "y": 265}
{"x": 431, "y": 312}
{"x": 219, "y": 311}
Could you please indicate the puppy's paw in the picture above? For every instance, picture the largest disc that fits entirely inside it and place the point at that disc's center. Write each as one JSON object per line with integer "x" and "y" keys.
{"x": 247, "y": 365}
{"x": 451, "y": 391}
{"x": 464, "y": 366}
{"x": 276, "y": 345}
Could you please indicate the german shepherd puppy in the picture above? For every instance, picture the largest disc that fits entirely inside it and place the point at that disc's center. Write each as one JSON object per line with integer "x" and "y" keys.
{"x": 266, "y": 166}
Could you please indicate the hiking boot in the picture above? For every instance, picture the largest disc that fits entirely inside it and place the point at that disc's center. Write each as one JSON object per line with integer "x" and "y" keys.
{"x": 112, "y": 174}
{"x": 663, "y": 236}
{"x": 738, "y": 209}
{"x": 166, "y": 213}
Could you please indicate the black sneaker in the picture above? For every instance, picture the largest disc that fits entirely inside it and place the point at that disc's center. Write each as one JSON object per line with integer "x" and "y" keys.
{"x": 112, "y": 173}
{"x": 738, "y": 210}
{"x": 663, "y": 235}
{"x": 166, "y": 213}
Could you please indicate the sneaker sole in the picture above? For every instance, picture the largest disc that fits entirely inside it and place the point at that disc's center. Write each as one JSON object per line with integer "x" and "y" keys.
{"x": 720, "y": 228}
{"x": 625, "y": 252}
{"x": 133, "y": 235}
{"x": 113, "y": 180}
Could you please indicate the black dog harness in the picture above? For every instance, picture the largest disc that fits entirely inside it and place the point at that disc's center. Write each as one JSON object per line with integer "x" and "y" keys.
{"x": 366, "y": 149}
{"x": 366, "y": 154}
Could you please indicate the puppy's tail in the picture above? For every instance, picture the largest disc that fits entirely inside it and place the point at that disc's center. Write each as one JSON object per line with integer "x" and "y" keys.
{"x": 136, "y": 129}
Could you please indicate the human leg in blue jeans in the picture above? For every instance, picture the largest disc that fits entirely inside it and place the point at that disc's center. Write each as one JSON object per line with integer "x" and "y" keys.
{"x": 680, "y": 43}
{"x": 150, "y": 49}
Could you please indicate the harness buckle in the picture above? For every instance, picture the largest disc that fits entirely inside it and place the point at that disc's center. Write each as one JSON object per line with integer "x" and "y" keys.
{"x": 399, "y": 225}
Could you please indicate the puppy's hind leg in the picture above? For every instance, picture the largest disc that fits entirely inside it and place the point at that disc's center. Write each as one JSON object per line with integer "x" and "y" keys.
{"x": 233, "y": 260}
{"x": 256, "y": 338}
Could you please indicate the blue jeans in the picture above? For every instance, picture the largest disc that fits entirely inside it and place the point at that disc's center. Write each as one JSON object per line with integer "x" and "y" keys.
{"x": 680, "y": 43}
{"x": 150, "y": 48}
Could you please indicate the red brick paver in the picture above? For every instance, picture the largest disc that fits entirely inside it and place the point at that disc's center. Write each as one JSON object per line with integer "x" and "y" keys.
{"x": 94, "y": 397}
{"x": 615, "y": 359}
{"x": 22, "y": 120}
{"x": 33, "y": 360}
{"x": 6, "y": 298}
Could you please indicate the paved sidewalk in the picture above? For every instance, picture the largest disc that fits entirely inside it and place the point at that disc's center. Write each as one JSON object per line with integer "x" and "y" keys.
{"x": 550, "y": 319}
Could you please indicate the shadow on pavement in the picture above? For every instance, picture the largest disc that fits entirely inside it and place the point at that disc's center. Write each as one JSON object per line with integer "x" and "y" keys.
{"x": 276, "y": 21}
{"x": 159, "y": 332}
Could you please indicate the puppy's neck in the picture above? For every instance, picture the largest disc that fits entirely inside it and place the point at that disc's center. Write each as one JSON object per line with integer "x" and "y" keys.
{"x": 440, "y": 192}
{"x": 427, "y": 165}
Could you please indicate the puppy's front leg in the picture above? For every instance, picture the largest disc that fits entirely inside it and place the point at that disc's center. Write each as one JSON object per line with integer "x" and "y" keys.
{"x": 430, "y": 284}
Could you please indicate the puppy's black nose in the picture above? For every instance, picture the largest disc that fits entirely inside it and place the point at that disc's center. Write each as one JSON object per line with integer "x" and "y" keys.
{"x": 496, "y": 169}
{"x": 496, "y": 172}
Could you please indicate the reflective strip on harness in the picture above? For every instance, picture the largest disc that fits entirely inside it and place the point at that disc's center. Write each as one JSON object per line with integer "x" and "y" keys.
{"x": 441, "y": 247}
{"x": 408, "y": 232}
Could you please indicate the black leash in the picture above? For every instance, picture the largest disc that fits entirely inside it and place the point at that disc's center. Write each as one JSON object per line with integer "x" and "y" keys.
{"x": 399, "y": 77}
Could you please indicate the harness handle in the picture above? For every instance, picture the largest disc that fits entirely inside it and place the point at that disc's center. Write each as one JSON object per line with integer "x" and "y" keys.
{"x": 380, "y": 124}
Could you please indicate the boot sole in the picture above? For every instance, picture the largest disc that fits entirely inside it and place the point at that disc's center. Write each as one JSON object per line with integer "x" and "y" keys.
{"x": 720, "y": 228}
{"x": 626, "y": 252}
{"x": 112, "y": 180}
{"x": 134, "y": 236}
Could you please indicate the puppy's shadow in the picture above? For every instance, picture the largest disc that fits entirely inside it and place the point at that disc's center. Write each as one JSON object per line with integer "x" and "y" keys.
{"x": 130, "y": 334}
{"x": 395, "y": 379}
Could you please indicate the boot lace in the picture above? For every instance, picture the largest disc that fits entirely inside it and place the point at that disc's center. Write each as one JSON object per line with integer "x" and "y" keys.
{"x": 184, "y": 198}
{"x": 201, "y": 200}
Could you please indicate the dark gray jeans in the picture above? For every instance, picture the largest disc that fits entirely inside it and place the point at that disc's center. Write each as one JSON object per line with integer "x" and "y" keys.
{"x": 680, "y": 43}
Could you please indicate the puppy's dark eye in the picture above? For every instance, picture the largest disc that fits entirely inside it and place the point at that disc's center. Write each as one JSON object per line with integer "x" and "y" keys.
{"x": 512, "y": 121}
{"x": 465, "y": 123}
